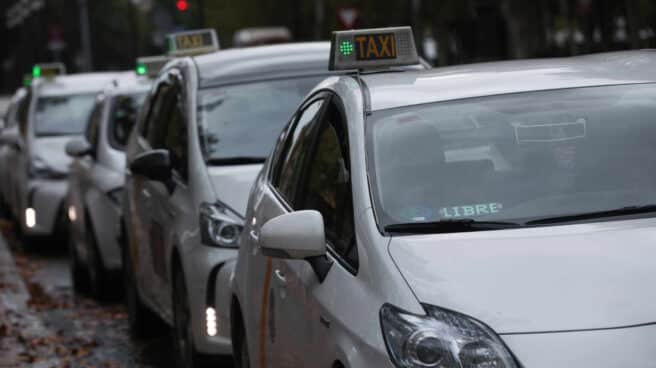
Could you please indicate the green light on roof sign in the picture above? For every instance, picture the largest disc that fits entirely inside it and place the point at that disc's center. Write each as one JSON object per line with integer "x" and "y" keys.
{"x": 36, "y": 71}
{"x": 346, "y": 48}
{"x": 141, "y": 69}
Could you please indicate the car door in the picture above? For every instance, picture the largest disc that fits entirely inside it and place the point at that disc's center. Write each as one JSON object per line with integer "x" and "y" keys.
{"x": 146, "y": 231}
{"x": 304, "y": 317}
{"x": 81, "y": 178}
{"x": 171, "y": 201}
{"x": 276, "y": 193}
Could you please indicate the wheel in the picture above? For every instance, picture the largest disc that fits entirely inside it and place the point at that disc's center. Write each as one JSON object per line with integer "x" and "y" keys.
{"x": 79, "y": 276}
{"x": 140, "y": 319}
{"x": 242, "y": 359}
{"x": 100, "y": 279}
{"x": 183, "y": 344}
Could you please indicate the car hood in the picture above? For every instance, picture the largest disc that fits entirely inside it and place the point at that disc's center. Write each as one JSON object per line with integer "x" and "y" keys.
{"x": 232, "y": 184}
{"x": 575, "y": 277}
{"x": 52, "y": 151}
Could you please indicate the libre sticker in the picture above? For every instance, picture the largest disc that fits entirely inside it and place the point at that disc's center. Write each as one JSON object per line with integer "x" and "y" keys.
{"x": 471, "y": 210}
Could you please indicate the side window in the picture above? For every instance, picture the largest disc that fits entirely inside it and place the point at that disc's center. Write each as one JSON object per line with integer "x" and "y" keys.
{"x": 326, "y": 186}
{"x": 293, "y": 156}
{"x": 93, "y": 126}
{"x": 23, "y": 113}
{"x": 176, "y": 134}
{"x": 154, "y": 129}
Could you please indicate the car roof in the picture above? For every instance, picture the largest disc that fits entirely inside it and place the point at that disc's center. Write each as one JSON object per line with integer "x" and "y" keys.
{"x": 391, "y": 90}
{"x": 76, "y": 83}
{"x": 263, "y": 62}
{"x": 128, "y": 83}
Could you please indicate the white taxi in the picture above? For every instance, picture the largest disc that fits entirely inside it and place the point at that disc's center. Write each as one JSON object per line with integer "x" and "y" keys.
{"x": 55, "y": 110}
{"x": 491, "y": 215}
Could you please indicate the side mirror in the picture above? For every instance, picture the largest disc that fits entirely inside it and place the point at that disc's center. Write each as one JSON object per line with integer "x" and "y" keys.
{"x": 78, "y": 148}
{"x": 154, "y": 165}
{"x": 11, "y": 138}
{"x": 295, "y": 235}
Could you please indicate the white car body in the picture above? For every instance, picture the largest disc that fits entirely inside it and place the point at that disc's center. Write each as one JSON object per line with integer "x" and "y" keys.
{"x": 575, "y": 295}
{"x": 44, "y": 195}
{"x": 96, "y": 183}
{"x": 163, "y": 234}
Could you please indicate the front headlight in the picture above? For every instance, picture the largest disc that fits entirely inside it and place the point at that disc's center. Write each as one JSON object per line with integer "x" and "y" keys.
{"x": 442, "y": 339}
{"x": 220, "y": 226}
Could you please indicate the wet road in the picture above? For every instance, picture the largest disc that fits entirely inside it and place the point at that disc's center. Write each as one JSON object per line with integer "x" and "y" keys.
{"x": 44, "y": 324}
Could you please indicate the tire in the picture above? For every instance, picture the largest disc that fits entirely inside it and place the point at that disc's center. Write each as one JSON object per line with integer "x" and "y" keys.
{"x": 141, "y": 320}
{"x": 241, "y": 357}
{"x": 183, "y": 342}
{"x": 100, "y": 280}
{"x": 79, "y": 275}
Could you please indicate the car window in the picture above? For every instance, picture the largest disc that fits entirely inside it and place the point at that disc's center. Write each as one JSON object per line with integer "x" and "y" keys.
{"x": 160, "y": 108}
{"x": 23, "y": 113}
{"x": 326, "y": 186}
{"x": 63, "y": 115}
{"x": 298, "y": 144}
{"x": 93, "y": 126}
{"x": 514, "y": 158}
{"x": 242, "y": 120}
{"x": 175, "y": 140}
{"x": 123, "y": 118}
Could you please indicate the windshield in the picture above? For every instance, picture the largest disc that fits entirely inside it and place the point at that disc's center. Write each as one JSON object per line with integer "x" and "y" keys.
{"x": 518, "y": 157}
{"x": 243, "y": 121}
{"x": 124, "y": 115}
{"x": 63, "y": 115}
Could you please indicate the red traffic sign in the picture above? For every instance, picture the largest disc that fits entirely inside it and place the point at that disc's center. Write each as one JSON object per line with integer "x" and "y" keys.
{"x": 348, "y": 17}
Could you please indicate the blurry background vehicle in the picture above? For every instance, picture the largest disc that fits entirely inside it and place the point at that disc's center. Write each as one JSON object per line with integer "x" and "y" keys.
{"x": 261, "y": 36}
{"x": 96, "y": 184}
{"x": 55, "y": 109}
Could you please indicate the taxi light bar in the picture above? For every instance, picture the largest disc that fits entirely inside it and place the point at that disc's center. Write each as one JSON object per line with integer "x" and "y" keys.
{"x": 193, "y": 43}
{"x": 150, "y": 66}
{"x": 368, "y": 49}
{"x": 48, "y": 70}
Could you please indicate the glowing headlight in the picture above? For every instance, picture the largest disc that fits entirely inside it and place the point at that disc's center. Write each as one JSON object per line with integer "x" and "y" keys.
{"x": 30, "y": 217}
{"x": 210, "y": 320}
{"x": 219, "y": 226}
{"x": 443, "y": 339}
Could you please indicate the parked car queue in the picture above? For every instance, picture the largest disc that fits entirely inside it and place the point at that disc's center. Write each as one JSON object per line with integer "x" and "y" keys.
{"x": 338, "y": 205}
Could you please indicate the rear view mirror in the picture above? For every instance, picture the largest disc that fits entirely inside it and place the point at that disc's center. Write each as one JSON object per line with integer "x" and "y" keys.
{"x": 11, "y": 138}
{"x": 296, "y": 235}
{"x": 154, "y": 165}
{"x": 78, "y": 148}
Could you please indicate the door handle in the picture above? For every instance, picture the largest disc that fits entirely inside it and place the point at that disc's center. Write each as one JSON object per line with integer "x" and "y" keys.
{"x": 280, "y": 277}
{"x": 146, "y": 193}
{"x": 254, "y": 236}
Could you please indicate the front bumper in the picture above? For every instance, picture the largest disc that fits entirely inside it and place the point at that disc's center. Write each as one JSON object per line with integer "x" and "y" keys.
{"x": 610, "y": 348}
{"x": 43, "y": 213}
{"x": 202, "y": 266}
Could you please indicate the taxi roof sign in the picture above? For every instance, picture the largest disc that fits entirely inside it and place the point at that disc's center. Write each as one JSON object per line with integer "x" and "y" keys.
{"x": 48, "y": 70}
{"x": 150, "y": 66}
{"x": 191, "y": 43}
{"x": 373, "y": 48}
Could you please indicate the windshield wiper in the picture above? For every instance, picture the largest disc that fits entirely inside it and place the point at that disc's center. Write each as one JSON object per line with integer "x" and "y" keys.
{"x": 449, "y": 226}
{"x": 631, "y": 210}
{"x": 237, "y": 160}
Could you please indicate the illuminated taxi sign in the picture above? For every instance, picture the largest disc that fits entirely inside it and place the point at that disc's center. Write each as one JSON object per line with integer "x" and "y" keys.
{"x": 149, "y": 66}
{"x": 48, "y": 70}
{"x": 193, "y": 43}
{"x": 373, "y": 49}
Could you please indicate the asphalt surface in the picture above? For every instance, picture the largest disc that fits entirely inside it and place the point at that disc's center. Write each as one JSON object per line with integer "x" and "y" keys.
{"x": 44, "y": 324}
